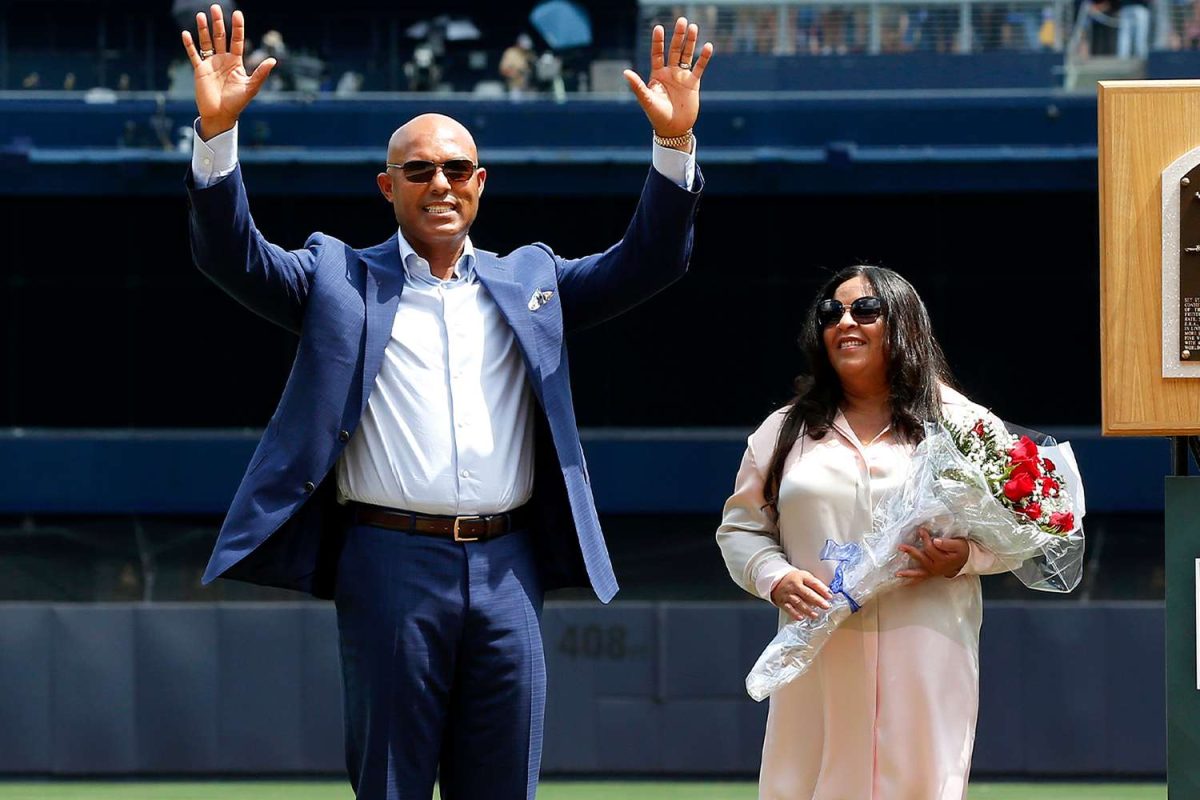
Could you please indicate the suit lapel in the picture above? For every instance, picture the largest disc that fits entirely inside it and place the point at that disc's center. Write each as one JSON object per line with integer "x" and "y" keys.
{"x": 384, "y": 282}
{"x": 513, "y": 301}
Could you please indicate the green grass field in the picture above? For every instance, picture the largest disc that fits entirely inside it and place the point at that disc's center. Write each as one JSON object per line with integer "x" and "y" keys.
{"x": 550, "y": 790}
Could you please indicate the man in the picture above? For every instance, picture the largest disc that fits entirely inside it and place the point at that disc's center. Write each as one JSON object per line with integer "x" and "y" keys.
{"x": 516, "y": 65}
{"x": 423, "y": 467}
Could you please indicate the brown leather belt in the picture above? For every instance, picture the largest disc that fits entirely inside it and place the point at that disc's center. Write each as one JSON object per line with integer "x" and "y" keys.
{"x": 460, "y": 529}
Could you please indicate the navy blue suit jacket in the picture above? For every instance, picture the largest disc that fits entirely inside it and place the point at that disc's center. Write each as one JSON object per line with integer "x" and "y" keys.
{"x": 285, "y": 527}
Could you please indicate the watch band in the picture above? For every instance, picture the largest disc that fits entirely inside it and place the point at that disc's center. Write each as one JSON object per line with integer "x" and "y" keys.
{"x": 682, "y": 140}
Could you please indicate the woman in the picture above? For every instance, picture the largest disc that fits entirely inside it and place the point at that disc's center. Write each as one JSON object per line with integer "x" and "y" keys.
{"x": 887, "y": 711}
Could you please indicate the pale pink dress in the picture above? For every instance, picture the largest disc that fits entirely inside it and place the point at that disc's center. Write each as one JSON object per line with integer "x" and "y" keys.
{"x": 888, "y": 709}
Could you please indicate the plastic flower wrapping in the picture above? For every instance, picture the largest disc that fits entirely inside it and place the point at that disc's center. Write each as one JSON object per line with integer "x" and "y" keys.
{"x": 1021, "y": 501}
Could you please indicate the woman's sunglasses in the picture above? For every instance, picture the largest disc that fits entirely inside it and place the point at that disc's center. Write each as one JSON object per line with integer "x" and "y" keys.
{"x": 456, "y": 170}
{"x": 864, "y": 311}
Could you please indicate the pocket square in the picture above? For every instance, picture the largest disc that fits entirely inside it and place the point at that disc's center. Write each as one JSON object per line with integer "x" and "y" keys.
{"x": 539, "y": 299}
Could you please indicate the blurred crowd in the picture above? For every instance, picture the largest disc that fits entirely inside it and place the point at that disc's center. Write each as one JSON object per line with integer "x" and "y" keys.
{"x": 833, "y": 29}
{"x": 1132, "y": 28}
{"x": 438, "y": 53}
{"x": 447, "y": 53}
{"x": 1125, "y": 28}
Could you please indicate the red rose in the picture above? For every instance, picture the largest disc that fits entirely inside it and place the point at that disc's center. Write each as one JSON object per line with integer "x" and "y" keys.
{"x": 1033, "y": 511}
{"x": 1023, "y": 450}
{"x": 1024, "y": 459}
{"x": 978, "y": 429}
{"x": 1063, "y": 521}
{"x": 1048, "y": 465}
{"x": 1049, "y": 485}
{"x": 1029, "y": 468}
{"x": 1019, "y": 486}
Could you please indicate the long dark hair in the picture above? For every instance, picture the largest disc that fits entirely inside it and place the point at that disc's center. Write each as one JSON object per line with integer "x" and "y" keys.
{"x": 915, "y": 369}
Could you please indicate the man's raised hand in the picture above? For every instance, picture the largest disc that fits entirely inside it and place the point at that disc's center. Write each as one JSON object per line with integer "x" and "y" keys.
{"x": 671, "y": 98}
{"x": 223, "y": 89}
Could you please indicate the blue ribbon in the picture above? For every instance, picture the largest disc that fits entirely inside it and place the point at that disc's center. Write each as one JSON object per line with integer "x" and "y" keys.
{"x": 845, "y": 554}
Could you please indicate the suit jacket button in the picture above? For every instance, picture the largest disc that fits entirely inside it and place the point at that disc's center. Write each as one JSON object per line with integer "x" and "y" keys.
{"x": 310, "y": 487}
{"x": 344, "y": 436}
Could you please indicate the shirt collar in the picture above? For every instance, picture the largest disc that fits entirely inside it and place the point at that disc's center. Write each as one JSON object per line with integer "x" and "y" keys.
{"x": 842, "y": 426}
{"x": 417, "y": 268}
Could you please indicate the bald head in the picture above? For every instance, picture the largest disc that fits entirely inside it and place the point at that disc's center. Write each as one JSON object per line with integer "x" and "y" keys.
{"x": 435, "y": 202}
{"x": 428, "y": 130}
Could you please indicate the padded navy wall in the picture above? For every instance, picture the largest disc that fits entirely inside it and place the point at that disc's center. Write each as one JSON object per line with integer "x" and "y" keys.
{"x": 634, "y": 688}
{"x": 921, "y": 71}
{"x": 635, "y": 471}
{"x": 168, "y": 689}
{"x": 813, "y": 143}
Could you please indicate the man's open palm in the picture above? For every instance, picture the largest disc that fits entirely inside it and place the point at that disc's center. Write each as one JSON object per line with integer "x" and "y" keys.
{"x": 671, "y": 96}
{"x": 223, "y": 88}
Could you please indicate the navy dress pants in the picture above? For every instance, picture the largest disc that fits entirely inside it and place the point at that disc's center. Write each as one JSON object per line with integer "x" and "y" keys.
{"x": 442, "y": 663}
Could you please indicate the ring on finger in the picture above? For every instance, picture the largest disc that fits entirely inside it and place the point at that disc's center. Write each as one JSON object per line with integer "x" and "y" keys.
{"x": 206, "y": 54}
{"x": 685, "y": 65}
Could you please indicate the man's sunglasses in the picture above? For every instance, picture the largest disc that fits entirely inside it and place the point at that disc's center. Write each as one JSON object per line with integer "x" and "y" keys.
{"x": 864, "y": 311}
{"x": 456, "y": 170}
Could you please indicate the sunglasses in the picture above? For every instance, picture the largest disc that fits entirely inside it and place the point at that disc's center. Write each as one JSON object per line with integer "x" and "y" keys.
{"x": 864, "y": 311}
{"x": 456, "y": 170}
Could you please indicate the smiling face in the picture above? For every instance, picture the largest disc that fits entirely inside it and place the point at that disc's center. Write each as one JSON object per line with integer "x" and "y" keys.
{"x": 438, "y": 214}
{"x": 857, "y": 352}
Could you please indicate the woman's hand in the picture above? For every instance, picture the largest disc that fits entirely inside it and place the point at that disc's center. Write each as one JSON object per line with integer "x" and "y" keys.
{"x": 945, "y": 557}
{"x": 801, "y": 594}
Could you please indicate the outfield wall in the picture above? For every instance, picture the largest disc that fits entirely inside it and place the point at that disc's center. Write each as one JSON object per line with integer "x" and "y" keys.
{"x": 649, "y": 688}
{"x": 634, "y": 470}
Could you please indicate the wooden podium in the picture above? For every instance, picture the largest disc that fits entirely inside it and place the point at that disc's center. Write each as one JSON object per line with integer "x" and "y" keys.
{"x": 1144, "y": 127}
{"x": 1148, "y": 131}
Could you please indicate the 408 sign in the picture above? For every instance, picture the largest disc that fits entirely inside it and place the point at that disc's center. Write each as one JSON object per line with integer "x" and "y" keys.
{"x": 599, "y": 642}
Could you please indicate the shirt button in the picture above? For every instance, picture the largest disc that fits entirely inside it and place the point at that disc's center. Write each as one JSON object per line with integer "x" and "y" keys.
{"x": 208, "y": 162}
{"x": 309, "y": 487}
{"x": 344, "y": 436}
{"x": 466, "y": 473}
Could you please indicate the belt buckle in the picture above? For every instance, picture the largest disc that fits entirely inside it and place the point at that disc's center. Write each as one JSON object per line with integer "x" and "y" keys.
{"x": 459, "y": 538}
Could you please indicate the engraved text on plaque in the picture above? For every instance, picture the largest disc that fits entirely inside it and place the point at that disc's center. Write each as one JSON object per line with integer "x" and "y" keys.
{"x": 1189, "y": 266}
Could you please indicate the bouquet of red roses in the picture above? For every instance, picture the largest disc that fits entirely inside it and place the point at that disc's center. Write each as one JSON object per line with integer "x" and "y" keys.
{"x": 968, "y": 479}
{"x": 1025, "y": 479}
{"x": 1022, "y": 478}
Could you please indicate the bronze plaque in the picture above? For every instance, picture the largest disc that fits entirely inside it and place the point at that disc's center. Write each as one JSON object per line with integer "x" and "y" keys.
{"x": 1189, "y": 266}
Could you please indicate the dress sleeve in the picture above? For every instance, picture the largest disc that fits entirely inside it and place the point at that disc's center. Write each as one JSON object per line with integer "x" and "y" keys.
{"x": 981, "y": 561}
{"x": 748, "y": 536}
